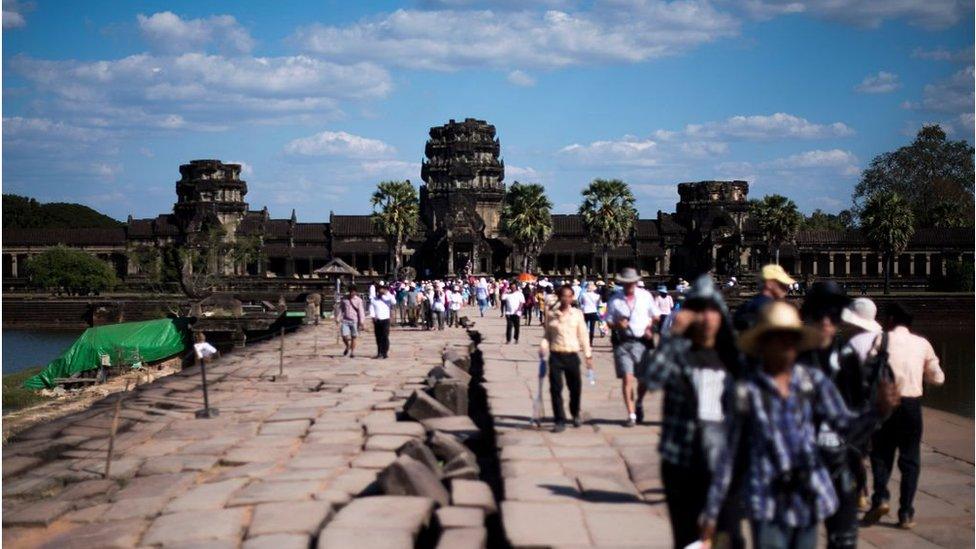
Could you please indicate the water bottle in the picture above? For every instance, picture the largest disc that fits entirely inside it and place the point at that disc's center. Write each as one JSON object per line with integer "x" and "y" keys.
{"x": 591, "y": 376}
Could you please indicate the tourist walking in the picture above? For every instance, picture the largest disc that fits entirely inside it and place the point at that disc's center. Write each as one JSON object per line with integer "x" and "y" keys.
{"x": 695, "y": 364}
{"x": 437, "y": 308}
{"x": 527, "y": 308}
{"x": 631, "y": 313}
{"x": 481, "y": 295}
{"x": 564, "y": 338}
{"x": 665, "y": 305}
{"x": 454, "y": 308}
{"x": 913, "y": 362}
{"x": 350, "y": 315}
{"x": 821, "y": 311}
{"x": 775, "y": 285}
{"x": 512, "y": 304}
{"x": 772, "y": 414}
{"x": 589, "y": 302}
{"x": 380, "y": 308}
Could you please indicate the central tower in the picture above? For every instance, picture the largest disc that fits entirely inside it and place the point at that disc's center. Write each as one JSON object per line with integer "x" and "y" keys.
{"x": 462, "y": 196}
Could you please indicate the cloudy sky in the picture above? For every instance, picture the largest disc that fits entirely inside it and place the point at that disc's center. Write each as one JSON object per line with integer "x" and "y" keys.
{"x": 320, "y": 100}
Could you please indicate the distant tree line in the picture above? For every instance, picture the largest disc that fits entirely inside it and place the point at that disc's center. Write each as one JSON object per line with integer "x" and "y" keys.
{"x": 21, "y": 212}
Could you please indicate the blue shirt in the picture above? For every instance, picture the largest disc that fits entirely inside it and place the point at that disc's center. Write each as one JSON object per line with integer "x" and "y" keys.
{"x": 780, "y": 435}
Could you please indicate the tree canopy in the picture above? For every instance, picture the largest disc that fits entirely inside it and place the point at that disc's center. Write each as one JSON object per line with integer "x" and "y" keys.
{"x": 778, "y": 218}
{"x": 396, "y": 214}
{"x": 820, "y": 220}
{"x": 608, "y": 214}
{"x": 64, "y": 270}
{"x": 21, "y": 212}
{"x": 888, "y": 223}
{"x": 527, "y": 219}
{"x": 933, "y": 174}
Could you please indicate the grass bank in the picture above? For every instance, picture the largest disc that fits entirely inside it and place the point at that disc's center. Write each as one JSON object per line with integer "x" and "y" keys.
{"x": 15, "y": 397}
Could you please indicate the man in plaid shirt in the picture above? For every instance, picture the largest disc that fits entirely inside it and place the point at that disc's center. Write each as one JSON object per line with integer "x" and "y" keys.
{"x": 774, "y": 412}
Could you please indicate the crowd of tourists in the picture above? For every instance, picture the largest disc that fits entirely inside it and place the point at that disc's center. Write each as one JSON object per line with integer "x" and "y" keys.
{"x": 770, "y": 413}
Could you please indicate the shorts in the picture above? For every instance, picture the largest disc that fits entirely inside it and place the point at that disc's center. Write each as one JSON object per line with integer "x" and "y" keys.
{"x": 348, "y": 328}
{"x": 631, "y": 357}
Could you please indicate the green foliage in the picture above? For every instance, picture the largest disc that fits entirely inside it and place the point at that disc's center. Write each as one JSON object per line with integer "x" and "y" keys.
{"x": 148, "y": 259}
{"x": 778, "y": 218}
{"x": 933, "y": 174}
{"x": 960, "y": 275}
{"x": 61, "y": 269}
{"x": 889, "y": 224}
{"x": 608, "y": 214}
{"x": 527, "y": 219}
{"x": 244, "y": 251}
{"x": 398, "y": 214}
{"x": 15, "y": 396}
{"x": 21, "y": 212}
{"x": 820, "y": 220}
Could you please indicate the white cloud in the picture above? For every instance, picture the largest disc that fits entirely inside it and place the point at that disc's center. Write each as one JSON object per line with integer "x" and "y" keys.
{"x": 13, "y": 16}
{"x": 657, "y": 191}
{"x": 880, "y": 82}
{"x": 521, "y": 78}
{"x": 952, "y": 95}
{"x": 930, "y": 14}
{"x": 106, "y": 171}
{"x": 762, "y": 127}
{"x": 196, "y": 90}
{"x": 391, "y": 169}
{"x": 524, "y": 175}
{"x": 329, "y": 143}
{"x": 615, "y": 32}
{"x": 628, "y": 151}
{"x": 170, "y": 33}
{"x": 247, "y": 170}
{"x": 964, "y": 55}
{"x": 838, "y": 160}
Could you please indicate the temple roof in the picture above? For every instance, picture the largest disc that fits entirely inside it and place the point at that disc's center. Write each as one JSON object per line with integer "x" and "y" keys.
{"x": 161, "y": 225}
{"x": 568, "y": 225}
{"x": 929, "y": 237}
{"x": 353, "y": 225}
{"x": 69, "y": 237}
{"x": 311, "y": 232}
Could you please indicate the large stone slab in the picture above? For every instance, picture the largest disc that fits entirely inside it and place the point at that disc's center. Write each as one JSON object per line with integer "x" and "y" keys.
{"x": 265, "y": 492}
{"x": 40, "y": 513}
{"x": 291, "y": 517}
{"x": 342, "y": 537}
{"x": 194, "y": 526}
{"x": 463, "y": 538}
{"x": 459, "y": 426}
{"x": 121, "y": 534}
{"x": 387, "y": 442}
{"x": 213, "y": 495}
{"x": 278, "y": 541}
{"x": 407, "y": 428}
{"x": 409, "y": 477}
{"x": 537, "y": 524}
{"x": 410, "y": 513}
{"x": 421, "y": 406}
{"x": 460, "y": 517}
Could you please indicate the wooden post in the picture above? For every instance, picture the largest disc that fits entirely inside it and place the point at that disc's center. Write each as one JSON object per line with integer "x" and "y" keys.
{"x": 114, "y": 429}
{"x": 281, "y": 356}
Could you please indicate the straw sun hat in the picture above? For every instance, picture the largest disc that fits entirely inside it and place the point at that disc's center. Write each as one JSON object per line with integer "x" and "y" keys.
{"x": 778, "y": 317}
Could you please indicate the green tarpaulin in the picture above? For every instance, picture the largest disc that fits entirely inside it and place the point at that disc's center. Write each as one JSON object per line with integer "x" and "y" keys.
{"x": 147, "y": 341}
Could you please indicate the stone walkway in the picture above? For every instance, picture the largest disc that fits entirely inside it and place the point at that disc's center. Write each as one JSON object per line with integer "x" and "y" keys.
{"x": 270, "y": 471}
{"x": 600, "y": 485}
{"x": 280, "y": 466}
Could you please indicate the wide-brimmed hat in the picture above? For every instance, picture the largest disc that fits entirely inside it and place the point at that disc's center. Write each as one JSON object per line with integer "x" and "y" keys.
{"x": 662, "y": 289}
{"x": 862, "y": 313}
{"x": 777, "y": 273}
{"x": 627, "y": 276}
{"x": 777, "y": 317}
{"x": 704, "y": 293}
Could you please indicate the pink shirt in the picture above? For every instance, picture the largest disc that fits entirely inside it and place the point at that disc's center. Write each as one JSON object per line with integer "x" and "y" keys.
{"x": 913, "y": 362}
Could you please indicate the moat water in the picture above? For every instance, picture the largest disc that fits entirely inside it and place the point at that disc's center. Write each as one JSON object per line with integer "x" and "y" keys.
{"x": 953, "y": 344}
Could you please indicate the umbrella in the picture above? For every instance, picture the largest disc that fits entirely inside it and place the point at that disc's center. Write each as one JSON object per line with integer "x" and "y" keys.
{"x": 526, "y": 277}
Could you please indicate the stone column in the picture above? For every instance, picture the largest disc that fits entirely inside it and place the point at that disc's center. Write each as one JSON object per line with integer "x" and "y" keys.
{"x": 864, "y": 264}
{"x": 911, "y": 264}
{"x": 797, "y": 264}
{"x": 14, "y": 268}
{"x": 880, "y": 264}
{"x": 666, "y": 267}
{"x": 475, "y": 267}
{"x": 847, "y": 263}
{"x": 895, "y": 270}
{"x": 450, "y": 257}
{"x": 816, "y": 264}
{"x": 369, "y": 263}
{"x": 830, "y": 263}
{"x": 928, "y": 264}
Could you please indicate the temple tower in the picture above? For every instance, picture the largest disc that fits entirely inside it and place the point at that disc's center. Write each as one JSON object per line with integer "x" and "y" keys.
{"x": 209, "y": 192}
{"x": 462, "y": 195}
{"x": 714, "y": 214}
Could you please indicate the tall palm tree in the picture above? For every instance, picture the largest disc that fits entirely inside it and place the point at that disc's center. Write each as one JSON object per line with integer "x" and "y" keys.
{"x": 398, "y": 215}
{"x": 608, "y": 215}
{"x": 527, "y": 220}
{"x": 889, "y": 224}
{"x": 778, "y": 218}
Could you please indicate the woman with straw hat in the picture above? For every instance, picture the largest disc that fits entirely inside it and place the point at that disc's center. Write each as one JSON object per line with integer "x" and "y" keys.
{"x": 774, "y": 411}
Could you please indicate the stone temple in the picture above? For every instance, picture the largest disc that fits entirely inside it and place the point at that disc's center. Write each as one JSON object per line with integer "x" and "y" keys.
{"x": 460, "y": 202}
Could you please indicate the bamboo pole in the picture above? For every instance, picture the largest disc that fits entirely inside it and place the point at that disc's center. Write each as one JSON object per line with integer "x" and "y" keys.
{"x": 114, "y": 429}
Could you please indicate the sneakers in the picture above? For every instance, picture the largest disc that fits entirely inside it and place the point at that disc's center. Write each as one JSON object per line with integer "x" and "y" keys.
{"x": 874, "y": 514}
{"x": 639, "y": 415}
{"x": 863, "y": 503}
{"x": 559, "y": 427}
{"x": 345, "y": 351}
{"x": 577, "y": 422}
{"x": 631, "y": 420}
{"x": 906, "y": 522}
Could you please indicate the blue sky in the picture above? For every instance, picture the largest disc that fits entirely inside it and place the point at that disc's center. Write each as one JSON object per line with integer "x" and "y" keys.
{"x": 321, "y": 100}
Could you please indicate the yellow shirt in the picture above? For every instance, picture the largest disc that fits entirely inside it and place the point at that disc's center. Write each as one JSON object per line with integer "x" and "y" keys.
{"x": 566, "y": 332}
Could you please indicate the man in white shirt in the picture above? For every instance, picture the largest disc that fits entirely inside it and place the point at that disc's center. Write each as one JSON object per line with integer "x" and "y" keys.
{"x": 589, "y": 302}
{"x": 379, "y": 309}
{"x": 457, "y": 300}
{"x": 512, "y": 304}
{"x": 631, "y": 313}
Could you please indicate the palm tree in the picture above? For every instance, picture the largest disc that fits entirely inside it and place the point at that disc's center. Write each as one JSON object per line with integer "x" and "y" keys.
{"x": 888, "y": 223}
{"x": 527, "y": 220}
{"x": 398, "y": 215}
{"x": 778, "y": 218}
{"x": 608, "y": 214}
